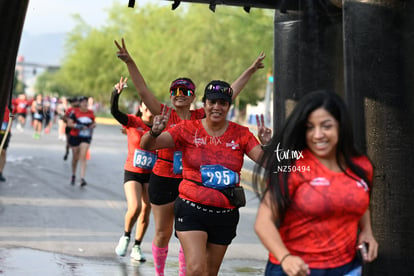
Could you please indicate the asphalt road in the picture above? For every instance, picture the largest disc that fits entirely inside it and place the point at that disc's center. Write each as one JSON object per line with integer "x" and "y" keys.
{"x": 48, "y": 227}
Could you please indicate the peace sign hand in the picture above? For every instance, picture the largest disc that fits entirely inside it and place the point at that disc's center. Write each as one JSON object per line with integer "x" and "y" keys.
{"x": 258, "y": 63}
{"x": 121, "y": 85}
{"x": 264, "y": 133}
{"x": 160, "y": 121}
{"x": 123, "y": 52}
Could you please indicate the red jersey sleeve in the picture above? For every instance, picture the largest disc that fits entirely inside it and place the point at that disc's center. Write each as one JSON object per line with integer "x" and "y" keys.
{"x": 365, "y": 164}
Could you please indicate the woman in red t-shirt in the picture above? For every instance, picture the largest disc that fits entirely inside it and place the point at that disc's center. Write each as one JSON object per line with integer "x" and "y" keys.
{"x": 314, "y": 211}
{"x": 206, "y": 211}
{"x": 82, "y": 122}
{"x": 166, "y": 174}
{"x": 137, "y": 170}
{"x": 22, "y": 105}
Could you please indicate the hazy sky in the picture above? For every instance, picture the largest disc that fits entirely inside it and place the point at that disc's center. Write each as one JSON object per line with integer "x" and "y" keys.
{"x": 54, "y": 16}
{"x": 47, "y": 22}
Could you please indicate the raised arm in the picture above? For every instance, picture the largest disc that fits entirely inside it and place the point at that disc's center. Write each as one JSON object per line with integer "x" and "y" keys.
{"x": 242, "y": 80}
{"x": 121, "y": 117}
{"x": 146, "y": 95}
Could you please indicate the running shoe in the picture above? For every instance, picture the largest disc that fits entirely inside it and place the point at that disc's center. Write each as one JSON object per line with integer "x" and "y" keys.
{"x": 83, "y": 183}
{"x": 122, "y": 246}
{"x": 2, "y": 178}
{"x": 72, "y": 181}
{"x": 137, "y": 254}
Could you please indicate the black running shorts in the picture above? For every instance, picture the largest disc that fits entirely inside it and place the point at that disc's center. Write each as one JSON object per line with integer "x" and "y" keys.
{"x": 75, "y": 141}
{"x": 220, "y": 224}
{"x": 138, "y": 177}
{"x": 163, "y": 190}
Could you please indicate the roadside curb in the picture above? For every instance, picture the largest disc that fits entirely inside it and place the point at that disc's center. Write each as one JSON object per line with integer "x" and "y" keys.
{"x": 106, "y": 121}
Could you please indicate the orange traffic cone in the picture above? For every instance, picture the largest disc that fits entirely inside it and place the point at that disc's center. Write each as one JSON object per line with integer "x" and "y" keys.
{"x": 88, "y": 155}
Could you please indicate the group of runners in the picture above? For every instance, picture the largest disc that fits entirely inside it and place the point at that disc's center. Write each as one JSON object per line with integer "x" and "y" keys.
{"x": 173, "y": 187}
{"x": 194, "y": 185}
{"x": 80, "y": 122}
{"x": 76, "y": 121}
{"x": 185, "y": 165}
{"x": 42, "y": 111}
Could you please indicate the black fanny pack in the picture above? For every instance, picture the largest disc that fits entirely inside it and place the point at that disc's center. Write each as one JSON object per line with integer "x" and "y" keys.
{"x": 234, "y": 194}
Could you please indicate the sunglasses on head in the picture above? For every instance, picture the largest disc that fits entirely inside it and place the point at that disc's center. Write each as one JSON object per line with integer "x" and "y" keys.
{"x": 217, "y": 88}
{"x": 181, "y": 91}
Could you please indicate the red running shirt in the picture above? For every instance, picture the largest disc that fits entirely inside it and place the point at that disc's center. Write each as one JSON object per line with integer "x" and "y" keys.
{"x": 6, "y": 115}
{"x": 134, "y": 129}
{"x": 199, "y": 148}
{"x": 21, "y": 105}
{"x": 322, "y": 222}
{"x": 164, "y": 165}
{"x": 85, "y": 118}
{"x": 5, "y": 122}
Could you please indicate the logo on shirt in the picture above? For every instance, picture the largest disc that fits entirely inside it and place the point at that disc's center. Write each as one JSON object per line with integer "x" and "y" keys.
{"x": 200, "y": 141}
{"x": 85, "y": 120}
{"x": 232, "y": 145}
{"x": 320, "y": 181}
{"x": 215, "y": 141}
{"x": 361, "y": 183}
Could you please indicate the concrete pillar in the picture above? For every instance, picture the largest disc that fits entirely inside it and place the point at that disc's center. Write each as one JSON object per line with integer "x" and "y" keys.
{"x": 12, "y": 14}
{"x": 308, "y": 55}
{"x": 379, "y": 62}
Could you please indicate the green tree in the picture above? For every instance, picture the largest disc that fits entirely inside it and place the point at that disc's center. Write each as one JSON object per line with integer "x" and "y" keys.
{"x": 166, "y": 44}
{"x": 48, "y": 84}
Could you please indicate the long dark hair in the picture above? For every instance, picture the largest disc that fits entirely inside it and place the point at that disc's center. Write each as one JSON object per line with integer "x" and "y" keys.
{"x": 293, "y": 137}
